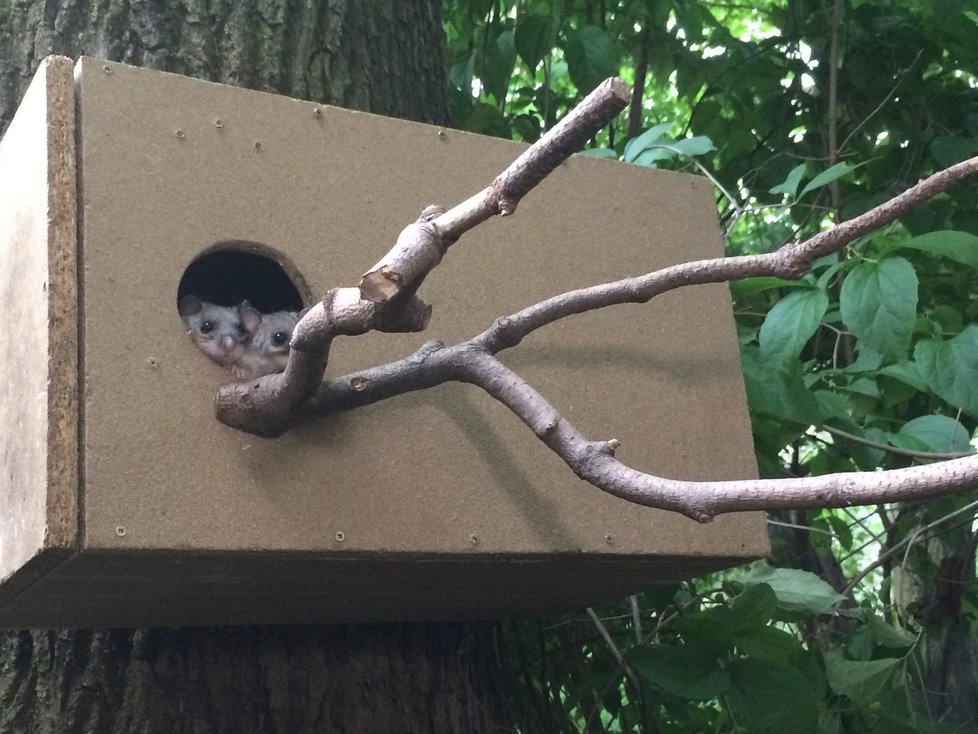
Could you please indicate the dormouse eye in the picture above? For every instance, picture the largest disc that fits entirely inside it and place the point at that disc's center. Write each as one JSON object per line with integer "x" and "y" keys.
{"x": 280, "y": 338}
{"x": 206, "y": 327}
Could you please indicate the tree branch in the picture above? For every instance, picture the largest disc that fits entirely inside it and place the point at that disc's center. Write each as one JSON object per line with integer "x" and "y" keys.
{"x": 595, "y": 462}
{"x": 386, "y": 300}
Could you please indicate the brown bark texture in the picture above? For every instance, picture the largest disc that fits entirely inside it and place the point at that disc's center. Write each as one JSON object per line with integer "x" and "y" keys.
{"x": 929, "y": 587}
{"x": 248, "y": 680}
{"x": 384, "y": 56}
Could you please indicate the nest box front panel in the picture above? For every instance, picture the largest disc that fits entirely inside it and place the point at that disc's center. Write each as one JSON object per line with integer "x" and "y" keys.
{"x": 170, "y": 167}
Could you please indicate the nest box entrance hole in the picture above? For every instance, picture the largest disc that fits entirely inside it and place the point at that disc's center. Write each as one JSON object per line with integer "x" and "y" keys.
{"x": 231, "y": 272}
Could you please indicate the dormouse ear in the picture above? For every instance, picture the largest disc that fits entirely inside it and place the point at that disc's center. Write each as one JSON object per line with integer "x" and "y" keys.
{"x": 189, "y": 305}
{"x": 250, "y": 318}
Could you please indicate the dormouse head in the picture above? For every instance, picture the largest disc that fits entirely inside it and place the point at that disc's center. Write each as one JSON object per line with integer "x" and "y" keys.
{"x": 269, "y": 333}
{"x": 267, "y": 344}
{"x": 216, "y": 330}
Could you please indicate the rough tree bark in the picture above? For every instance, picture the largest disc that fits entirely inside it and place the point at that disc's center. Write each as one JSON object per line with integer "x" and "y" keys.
{"x": 384, "y": 56}
{"x": 248, "y": 680}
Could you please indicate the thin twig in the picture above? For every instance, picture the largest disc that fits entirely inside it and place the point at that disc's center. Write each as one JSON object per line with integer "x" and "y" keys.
{"x": 613, "y": 648}
{"x": 935, "y": 455}
{"x": 804, "y": 528}
{"x": 908, "y": 542}
{"x": 882, "y": 104}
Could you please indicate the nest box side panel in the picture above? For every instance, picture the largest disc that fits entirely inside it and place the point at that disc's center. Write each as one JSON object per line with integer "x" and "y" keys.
{"x": 38, "y": 298}
{"x": 170, "y": 166}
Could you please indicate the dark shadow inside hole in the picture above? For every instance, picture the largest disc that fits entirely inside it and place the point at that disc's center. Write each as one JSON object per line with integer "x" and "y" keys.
{"x": 228, "y": 277}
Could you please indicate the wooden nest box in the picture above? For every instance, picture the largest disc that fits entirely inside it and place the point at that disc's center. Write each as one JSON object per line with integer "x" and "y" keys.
{"x": 123, "y": 502}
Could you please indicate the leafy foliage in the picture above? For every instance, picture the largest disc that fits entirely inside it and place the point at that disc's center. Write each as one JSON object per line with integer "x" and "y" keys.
{"x": 869, "y": 362}
{"x": 724, "y": 659}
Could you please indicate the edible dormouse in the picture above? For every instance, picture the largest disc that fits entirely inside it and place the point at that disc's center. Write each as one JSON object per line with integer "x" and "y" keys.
{"x": 217, "y": 331}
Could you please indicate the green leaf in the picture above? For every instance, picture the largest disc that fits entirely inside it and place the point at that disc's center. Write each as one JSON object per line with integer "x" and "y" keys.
{"x": 480, "y": 8}
{"x": 488, "y": 120}
{"x": 907, "y": 373}
{"x": 681, "y": 671}
{"x": 536, "y": 36}
{"x": 841, "y": 528}
{"x": 831, "y": 405}
{"x": 879, "y": 303}
{"x": 637, "y": 145}
{"x": 951, "y": 149}
{"x": 833, "y": 267}
{"x": 600, "y": 153}
{"x": 950, "y": 368}
{"x": 774, "y": 391}
{"x": 865, "y": 457}
{"x": 527, "y": 127}
{"x": 497, "y": 67}
{"x": 797, "y": 591}
{"x": 861, "y": 681}
{"x": 754, "y": 607}
{"x": 770, "y": 643}
{"x": 863, "y": 386}
{"x": 460, "y": 74}
{"x": 962, "y": 247}
{"x": 886, "y": 635}
{"x": 653, "y": 154}
{"x": 934, "y": 433}
{"x": 771, "y": 696}
{"x": 591, "y": 57}
{"x": 558, "y": 70}
{"x": 748, "y": 286}
{"x": 708, "y": 631}
{"x": 698, "y": 145}
{"x": 791, "y": 323}
{"x": 790, "y": 185}
{"x": 827, "y": 176}
{"x": 868, "y": 360}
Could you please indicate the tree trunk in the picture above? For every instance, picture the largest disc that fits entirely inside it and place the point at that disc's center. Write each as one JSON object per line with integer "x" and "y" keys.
{"x": 931, "y": 587}
{"x": 249, "y": 680}
{"x": 384, "y": 56}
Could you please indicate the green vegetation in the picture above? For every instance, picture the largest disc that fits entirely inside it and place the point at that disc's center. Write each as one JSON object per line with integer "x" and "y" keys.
{"x": 802, "y": 114}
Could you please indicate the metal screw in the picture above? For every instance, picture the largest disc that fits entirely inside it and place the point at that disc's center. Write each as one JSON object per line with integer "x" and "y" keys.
{"x": 120, "y": 530}
{"x": 218, "y": 123}
{"x": 181, "y": 134}
{"x": 340, "y": 536}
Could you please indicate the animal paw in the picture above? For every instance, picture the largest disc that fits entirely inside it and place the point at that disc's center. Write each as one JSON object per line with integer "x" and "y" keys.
{"x": 239, "y": 373}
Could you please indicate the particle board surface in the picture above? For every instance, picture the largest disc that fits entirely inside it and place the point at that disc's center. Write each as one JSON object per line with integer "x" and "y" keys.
{"x": 39, "y": 371}
{"x": 170, "y": 166}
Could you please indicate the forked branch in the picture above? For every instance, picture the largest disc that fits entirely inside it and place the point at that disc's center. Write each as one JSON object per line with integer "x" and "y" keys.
{"x": 386, "y": 300}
